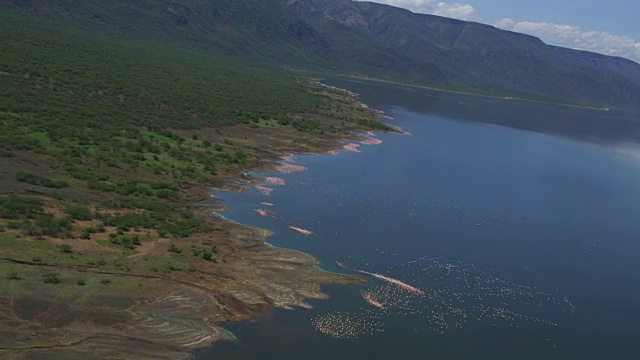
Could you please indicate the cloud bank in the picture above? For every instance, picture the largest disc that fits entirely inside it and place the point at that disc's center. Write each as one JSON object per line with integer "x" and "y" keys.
{"x": 555, "y": 34}
{"x": 452, "y": 10}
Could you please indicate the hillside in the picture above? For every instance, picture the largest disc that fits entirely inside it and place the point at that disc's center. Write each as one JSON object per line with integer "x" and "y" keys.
{"x": 352, "y": 37}
{"x": 262, "y": 31}
{"x": 467, "y": 55}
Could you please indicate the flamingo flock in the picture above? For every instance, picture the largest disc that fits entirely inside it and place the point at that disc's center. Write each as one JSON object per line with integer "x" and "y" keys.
{"x": 274, "y": 181}
{"x": 456, "y": 295}
{"x": 371, "y": 141}
{"x": 302, "y": 231}
{"x": 264, "y": 190}
{"x": 347, "y": 326}
{"x": 372, "y": 299}
{"x": 352, "y": 148}
{"x": 261, "y": 212}
{"x": 288, "y": 158}
{"x": 286, "y": 168}
{"x": 402, "y": 285}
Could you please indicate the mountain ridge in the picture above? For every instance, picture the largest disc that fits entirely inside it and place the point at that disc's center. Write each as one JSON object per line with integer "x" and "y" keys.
{"x": 475, "y": 56}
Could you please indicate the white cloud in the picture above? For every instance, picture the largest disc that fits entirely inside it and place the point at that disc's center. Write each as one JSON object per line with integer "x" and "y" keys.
{"x": 576, "y": 38}
{"x": 452, "y": 10}
{"x": 506, "y": 23}
{"x": 556, "y": 34}
{"x": 456, "y": 11}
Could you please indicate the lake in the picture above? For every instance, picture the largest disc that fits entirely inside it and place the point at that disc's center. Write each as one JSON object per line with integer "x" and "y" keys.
{"x": 521, "y": 241}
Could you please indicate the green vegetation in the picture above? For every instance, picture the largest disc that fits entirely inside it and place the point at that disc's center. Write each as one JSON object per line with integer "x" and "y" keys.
{"x": 124, "y": 240}
{"x": 175, "y": 249}
{"x": 34, "y": 179}
{"x": 17, "y": 207}
{"x": 13, "y": 275}
{"x": 32, "y": 218}
{"x": 65, "y": 248}
{"x": 47, "y": 225}
{"x": 113, "y": 129}
{"x": 78, "y": 212}
{"x": 51, "y": 278}
{"x": 207, "y": 255}
{"x": 108, "y": 111}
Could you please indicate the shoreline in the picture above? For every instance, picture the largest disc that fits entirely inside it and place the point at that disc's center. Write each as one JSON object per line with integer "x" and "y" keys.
{"x": 248, "y": 181}
{"x": 245, "y": 180}
{"x": 460, "y": 92}
{"x": 170, "y": 304}
{"x": 450, "y": 91}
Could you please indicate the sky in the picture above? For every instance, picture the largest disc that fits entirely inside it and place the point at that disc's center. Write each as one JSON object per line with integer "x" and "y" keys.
{"x": 610, "y": 27}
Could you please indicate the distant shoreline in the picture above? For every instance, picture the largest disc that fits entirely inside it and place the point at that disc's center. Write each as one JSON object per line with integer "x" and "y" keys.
{"x": 459, "y": 92}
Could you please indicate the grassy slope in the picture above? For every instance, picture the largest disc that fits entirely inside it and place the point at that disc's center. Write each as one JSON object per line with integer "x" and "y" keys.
{"x": 91, "y": 125}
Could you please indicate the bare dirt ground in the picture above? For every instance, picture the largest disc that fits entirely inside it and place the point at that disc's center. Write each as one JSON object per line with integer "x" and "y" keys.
{"x": 131, "y": 316}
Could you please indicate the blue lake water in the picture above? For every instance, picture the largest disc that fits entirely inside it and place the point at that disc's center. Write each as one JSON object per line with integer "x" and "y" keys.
{"x": 525, "y": 243}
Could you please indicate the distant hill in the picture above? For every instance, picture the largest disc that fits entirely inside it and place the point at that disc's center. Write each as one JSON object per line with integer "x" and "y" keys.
{"x": 468, "y": 55}
{"x": 261, "y": 31}
{"x": 345, "y": 36}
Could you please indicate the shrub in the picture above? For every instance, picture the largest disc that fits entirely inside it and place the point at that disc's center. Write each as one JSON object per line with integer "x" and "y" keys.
{"x": 7, "y": 154}
{"x": 28, "y": 178}
{"x": 86, "y": 234}
{"x": 47, "y": 225}
{"x": 13, "y": 276}
{"x": 207, "y": 255}
{"x": 174, "y": 249}
{"x": 81, "y": 282}
{"x": 81, "y": 213}
{"x": 34, "y": 179}
{"x": 166, "y": 194}
{"x": 126, "y": 241}
{"x": 51, "y": 278}
{"x": 65, "y": 248}
{"x": 197, "y": 251}
{"x": 56, "y": 184}
{"x": 18, "y": 206}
